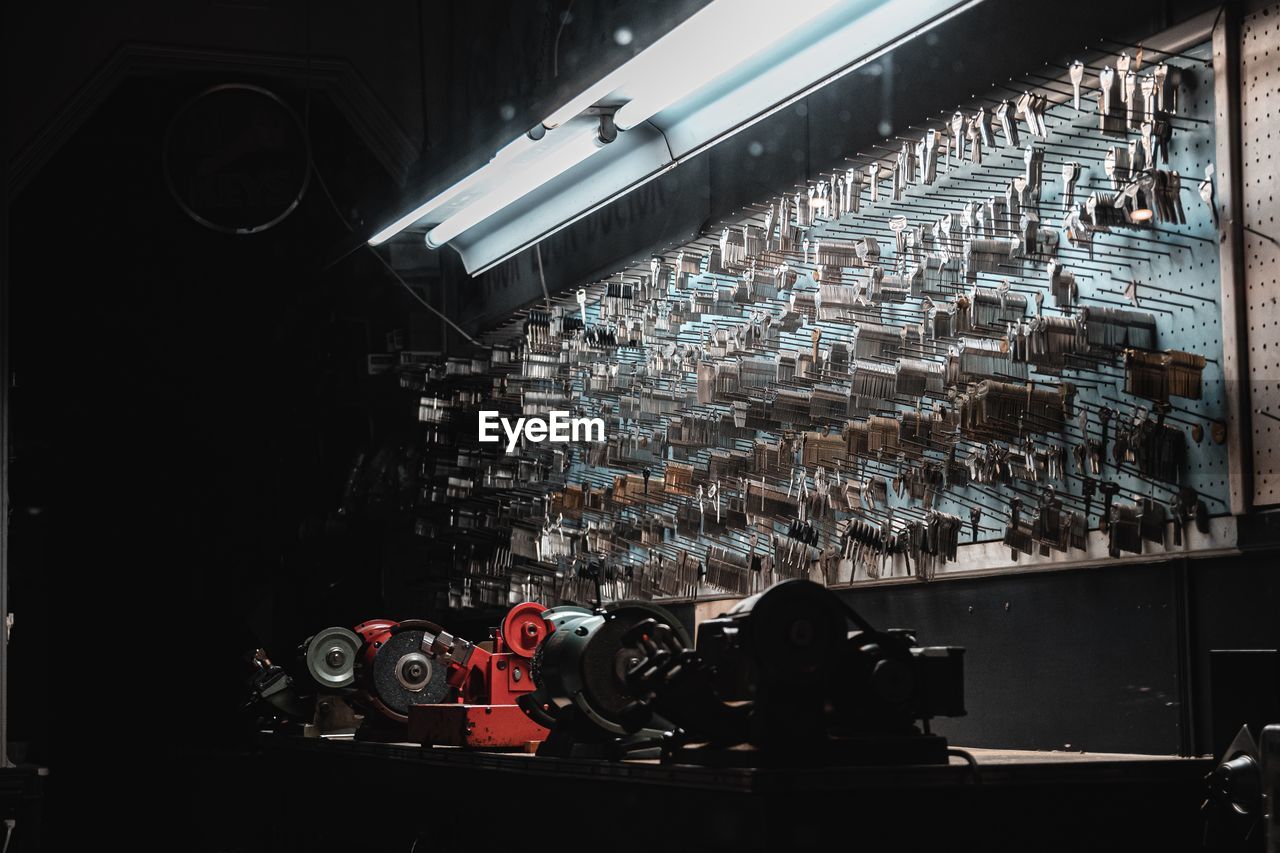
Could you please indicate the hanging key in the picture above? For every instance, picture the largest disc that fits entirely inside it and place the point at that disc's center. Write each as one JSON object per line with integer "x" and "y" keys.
{"x": 1020, "y": 185}
{"x": 1117, "y": 165}
{"x": 1039, "y": 103}
{"x": 1163, "y": 133}
{"x": 1008, "y": 124}
{"x": 966, "y": 220}
{"x": 975, "y": 141}
{"x": 1175, "y": 196}
{"x": 1148, "y": 160}
{"x": 995, "y": 213}
{"x": 1136, "y": 163}
{"x": 873, "y": 173}
{"x": 1076, "y": 72}
{"x": 1010, "y": 207}
{"x": 929, "y": 156}
{"x": 1123, "y": 64}
{"x": 898, "y": 225}
{"x": 1161, "y": 75}
{"x": 1025, "y": 108}
{"x": 1105, "y": 414}
{"x": 982, "y": 221}
{"x": 1030, "y": 233}
{"x": 1033, "y": 157}
{"x": 1128, "y": 91}
{"x": 1109, "y": 490}
{"x": 1148, "y": 84}
{"x": 1070, "y": 174}
{"x": 804, "y": 213}
{"x": 1087, "y": 490}
{"x": 853, "y": 179}
{"x": 1106, "y": 81}
{"x": 957, "y": 139}
{"x": 982, "y": 119}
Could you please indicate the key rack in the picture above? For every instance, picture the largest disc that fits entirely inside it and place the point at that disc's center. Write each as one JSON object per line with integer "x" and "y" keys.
{"x": 918, "y": 364}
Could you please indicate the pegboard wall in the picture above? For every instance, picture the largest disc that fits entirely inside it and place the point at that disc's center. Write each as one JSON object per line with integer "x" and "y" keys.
{"x": 866, "y": 377}
{"x": 1173, "y": 268}
{"x": 1260, "y": 140}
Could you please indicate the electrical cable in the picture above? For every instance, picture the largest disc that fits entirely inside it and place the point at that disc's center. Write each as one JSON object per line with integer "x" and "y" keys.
{"x": 324, "y": 187}
{"x": 425, "y": 303}
{"x": 537, "y": 248}
{"x": 555, "y": 47}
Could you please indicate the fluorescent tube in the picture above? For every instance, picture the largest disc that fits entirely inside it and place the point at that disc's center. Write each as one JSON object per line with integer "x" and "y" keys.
{"x": 711, "y": 43}
{"x": 516, "y": 147}
{"x": 512, "y": 178}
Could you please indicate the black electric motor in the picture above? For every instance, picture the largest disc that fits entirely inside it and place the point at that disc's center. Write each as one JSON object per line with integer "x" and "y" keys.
{"x": 794, "y": 675}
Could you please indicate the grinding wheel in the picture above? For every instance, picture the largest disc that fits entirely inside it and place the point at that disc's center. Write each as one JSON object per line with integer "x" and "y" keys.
{"x": 402, "y": 675}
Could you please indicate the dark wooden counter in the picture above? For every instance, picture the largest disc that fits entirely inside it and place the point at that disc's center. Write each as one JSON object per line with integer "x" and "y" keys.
{"x": 333, "y": 794}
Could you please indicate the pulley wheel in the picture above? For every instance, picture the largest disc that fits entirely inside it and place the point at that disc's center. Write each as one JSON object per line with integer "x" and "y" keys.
{"x": 331, "y": 657}
{"x": 404, "y": 676}
{"x": 524, "y": 628}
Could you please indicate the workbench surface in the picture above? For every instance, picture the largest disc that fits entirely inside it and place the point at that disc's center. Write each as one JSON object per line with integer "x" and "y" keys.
{"x": 995, "y": 767}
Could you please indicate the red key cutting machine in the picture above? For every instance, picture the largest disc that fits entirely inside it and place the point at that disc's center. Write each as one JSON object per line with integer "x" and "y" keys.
{"x": 488, "y": 681}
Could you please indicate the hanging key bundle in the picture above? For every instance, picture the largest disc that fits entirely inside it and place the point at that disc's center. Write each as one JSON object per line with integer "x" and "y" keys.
{"x": 1008, "y": 410}
{"x": 995, "y": 308}
{"x": 1117, "y": 328}
{"x": 1160, "y": 375}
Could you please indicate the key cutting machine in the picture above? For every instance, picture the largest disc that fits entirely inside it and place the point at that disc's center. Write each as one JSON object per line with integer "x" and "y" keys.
{"x": 489, "y": 679}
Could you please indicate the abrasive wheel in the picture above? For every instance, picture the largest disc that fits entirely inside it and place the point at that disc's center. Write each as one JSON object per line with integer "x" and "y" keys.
{"x": 402, "y": 675}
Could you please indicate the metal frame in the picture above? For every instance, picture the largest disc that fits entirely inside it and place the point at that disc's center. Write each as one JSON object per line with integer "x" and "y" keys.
{"x": 5, "y": 382}
{"x": 1229, "y": 190}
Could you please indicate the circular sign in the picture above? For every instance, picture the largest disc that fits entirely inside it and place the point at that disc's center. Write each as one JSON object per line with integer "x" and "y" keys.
{"x": 237, "y": 159}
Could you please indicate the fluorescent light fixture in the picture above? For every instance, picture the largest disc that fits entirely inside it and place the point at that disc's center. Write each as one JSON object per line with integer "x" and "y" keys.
{"x": 468, "y": 184}
{"x": 581, "y": 102}
{"x": 724, "y": 68}
{"x": 513, "y": 177}
{"x": 422, "y": 211}
{"x": 704, "y": 48}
